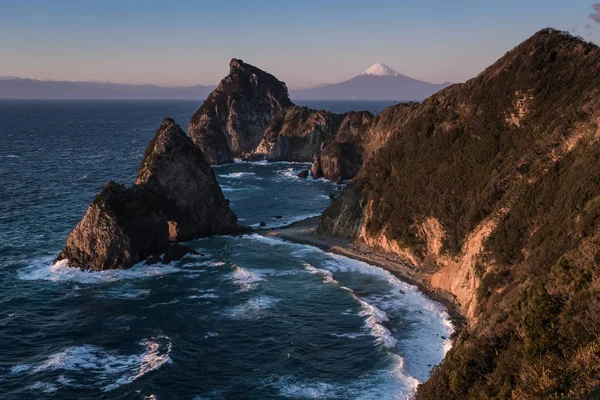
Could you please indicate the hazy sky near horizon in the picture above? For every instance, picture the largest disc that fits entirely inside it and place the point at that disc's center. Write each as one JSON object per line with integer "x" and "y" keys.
{"x": 301, "y": 42}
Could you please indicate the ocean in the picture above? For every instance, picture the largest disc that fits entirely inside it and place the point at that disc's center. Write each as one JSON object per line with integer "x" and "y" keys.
{"x": 248, "y": 318}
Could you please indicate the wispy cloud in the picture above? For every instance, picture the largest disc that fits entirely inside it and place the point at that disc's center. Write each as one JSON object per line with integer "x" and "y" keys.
{"x": 595, "y": 15}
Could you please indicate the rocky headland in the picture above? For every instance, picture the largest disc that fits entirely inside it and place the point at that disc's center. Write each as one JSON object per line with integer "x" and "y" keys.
{"x": 487, "y": 194}
{"x": 175, "y": 197}
{"x": 250, "y": 116}
{"x": 490, "y": 191}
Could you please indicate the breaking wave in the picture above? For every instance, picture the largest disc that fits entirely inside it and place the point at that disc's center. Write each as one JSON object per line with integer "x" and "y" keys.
{"x": 106, "y": 369}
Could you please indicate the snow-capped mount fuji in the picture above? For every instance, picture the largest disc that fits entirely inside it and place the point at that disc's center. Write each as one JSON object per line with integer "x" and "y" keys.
{"x": 378, "y": 82}
{"x": 379, "y": 70}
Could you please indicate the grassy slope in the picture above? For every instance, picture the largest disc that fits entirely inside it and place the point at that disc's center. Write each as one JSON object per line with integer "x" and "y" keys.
{"x": 518, "y": 144}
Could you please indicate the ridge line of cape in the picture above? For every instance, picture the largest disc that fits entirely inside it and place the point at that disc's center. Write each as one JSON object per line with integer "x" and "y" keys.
{"x": 491, "y": 189}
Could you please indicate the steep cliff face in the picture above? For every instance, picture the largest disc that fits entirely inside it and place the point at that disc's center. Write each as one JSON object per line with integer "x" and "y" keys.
{"x": 342, "y": 158}
{"x": 232, "y": 120}
{"x": 120, "y": 228}
{"x": 250, "y": 116}
{"x": 492, "y": 189}
{"x": 297, "y": 134}
{"x": 176, "y": 197}
{"x": 173, "y": 164}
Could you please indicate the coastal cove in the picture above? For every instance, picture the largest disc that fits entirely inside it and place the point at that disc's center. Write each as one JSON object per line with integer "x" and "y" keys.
{"x": 249, "y": 317}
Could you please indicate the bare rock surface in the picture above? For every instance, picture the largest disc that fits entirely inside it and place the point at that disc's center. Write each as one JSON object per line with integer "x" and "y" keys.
{"x": 175, "y": 197}
{"x": 250, "y": 116}
{"x": 232, "y": 120}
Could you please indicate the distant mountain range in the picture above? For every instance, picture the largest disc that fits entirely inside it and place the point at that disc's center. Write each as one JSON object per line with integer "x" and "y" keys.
{"x": 379, "y": 82}
{"x": 19, "y": 88}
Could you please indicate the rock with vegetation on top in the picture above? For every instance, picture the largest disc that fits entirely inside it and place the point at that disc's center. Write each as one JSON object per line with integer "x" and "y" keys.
{"x": 491, "y": 190}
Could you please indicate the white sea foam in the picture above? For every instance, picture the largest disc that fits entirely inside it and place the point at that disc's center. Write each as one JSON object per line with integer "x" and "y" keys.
{"x": 287, "y": 173}
{"x": 45, "y": 387}
{"x": 164, "y": 303}
{"x": 238, "y": 175}
{"x": 227, "y": 189}
{"x": 286, "y": 220}
{"x": 387, "y": 384}
{"x": 347, "y": 335}
{"x": 246, "y": 279}
{"x": 255, "y": 308}
{"x": 261, "y": 162}
{"x": 327, "y": 275}
{"x": 204, "y": 296}
{"x": 292, "y": 388}
{"x": 43, "y": 269}
{"x": 374, "y": 319}
{"x": 213, "y": 263}
{"x": 427, "y": 340}
{"x": 110, "y": 368}
{"x": 265, "y": 162}
{"x": 128, "y": 293}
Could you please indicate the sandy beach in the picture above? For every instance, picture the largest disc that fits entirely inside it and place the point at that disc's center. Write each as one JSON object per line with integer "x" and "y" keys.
{"x": 303, "y": 232}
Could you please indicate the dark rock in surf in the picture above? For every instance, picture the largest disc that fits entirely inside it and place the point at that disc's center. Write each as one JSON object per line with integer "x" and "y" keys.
{"x": 176, "y": 252}
{"x": 173, "y": 164}
{"x": 175, "y": 197}
{"x": 337, "y": 162}
{"x": 121, "y": 227}
{"x": 303, "y": 174}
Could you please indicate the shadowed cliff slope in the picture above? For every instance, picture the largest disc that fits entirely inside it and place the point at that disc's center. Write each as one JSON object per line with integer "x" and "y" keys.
{"x": 492, "y": 188}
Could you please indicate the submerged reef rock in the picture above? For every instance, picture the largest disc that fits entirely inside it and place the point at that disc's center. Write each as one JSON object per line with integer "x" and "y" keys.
{"x": 176, "y": 197}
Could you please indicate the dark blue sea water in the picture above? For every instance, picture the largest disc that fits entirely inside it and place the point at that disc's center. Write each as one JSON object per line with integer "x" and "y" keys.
{"x": 250, "y": 318}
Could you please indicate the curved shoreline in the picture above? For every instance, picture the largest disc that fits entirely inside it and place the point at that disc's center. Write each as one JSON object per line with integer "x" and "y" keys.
{"x": 303, "y": 232}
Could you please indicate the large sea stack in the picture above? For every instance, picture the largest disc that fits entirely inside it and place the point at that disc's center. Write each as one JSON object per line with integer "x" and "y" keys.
{"x": 234, "y": 117}
{"x": 175, "y": 198}
{"x": 250, "y": 116}
{"x": 492, "y": 190}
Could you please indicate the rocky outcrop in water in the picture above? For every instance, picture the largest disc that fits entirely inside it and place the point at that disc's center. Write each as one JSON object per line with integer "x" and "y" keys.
{"x": 250, "y": 116}
{"x": 232, "y": 120}
{"x": 175, "y": 198}
{"x": 173, "y": 164}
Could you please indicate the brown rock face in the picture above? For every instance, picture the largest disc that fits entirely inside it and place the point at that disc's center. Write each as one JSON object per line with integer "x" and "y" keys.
{"x": 297, "y": 134}
{"x": 491, "y": 189}
{"x": 175, "y": 197}
{"x": 250, "y": 116}
{"x": 175, "y": 165}
{"x": 337, "y": 161}
{"x": 232, "y": 120}
{"x": 342, "y": 158}
{"x": 120, "y": 228}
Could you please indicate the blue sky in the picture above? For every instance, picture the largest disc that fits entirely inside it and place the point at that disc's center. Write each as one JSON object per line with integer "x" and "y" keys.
{"x": 301, "y": 42}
